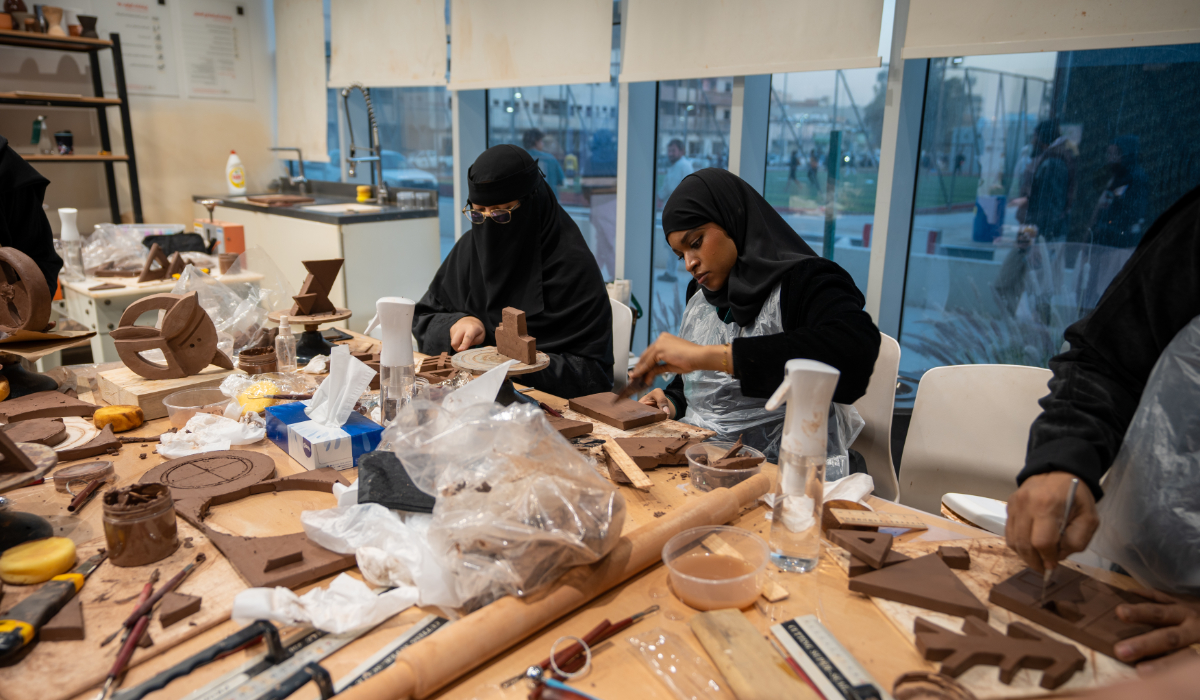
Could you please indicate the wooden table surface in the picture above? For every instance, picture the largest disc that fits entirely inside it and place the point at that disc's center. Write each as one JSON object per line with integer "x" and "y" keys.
{"x": 856, "y": 622}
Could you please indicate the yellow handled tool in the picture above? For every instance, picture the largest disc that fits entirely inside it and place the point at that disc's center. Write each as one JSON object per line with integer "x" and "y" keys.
{"x": 20, "y": 626}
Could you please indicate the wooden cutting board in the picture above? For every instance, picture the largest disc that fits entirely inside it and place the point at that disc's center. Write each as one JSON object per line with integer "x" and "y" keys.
{"x": 280, "y": 200}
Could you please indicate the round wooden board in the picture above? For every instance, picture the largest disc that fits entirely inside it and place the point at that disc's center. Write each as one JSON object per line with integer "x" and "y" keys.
{"x": 339, "y": 315}
{"x": 480, "y": 360}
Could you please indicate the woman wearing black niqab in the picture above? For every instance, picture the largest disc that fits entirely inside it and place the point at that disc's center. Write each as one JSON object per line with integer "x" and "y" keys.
{"x": 537, "y": 262}
{"x": 767, "y": 298}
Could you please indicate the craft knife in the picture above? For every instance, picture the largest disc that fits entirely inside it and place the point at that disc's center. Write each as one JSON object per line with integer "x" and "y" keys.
{"x": 20, "y": 626}
{"x": 1062, "y": 529}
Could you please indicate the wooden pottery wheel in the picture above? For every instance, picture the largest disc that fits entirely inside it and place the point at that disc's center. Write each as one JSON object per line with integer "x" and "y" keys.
{"x": 311, "y": 343}
{"x": 480, "y": 360}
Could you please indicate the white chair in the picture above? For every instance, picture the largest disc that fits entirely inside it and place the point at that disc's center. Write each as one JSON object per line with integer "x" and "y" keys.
{"x": 874, "y": 443}
{"x": 622, "y": 318}
{"x": 969, "y": 430}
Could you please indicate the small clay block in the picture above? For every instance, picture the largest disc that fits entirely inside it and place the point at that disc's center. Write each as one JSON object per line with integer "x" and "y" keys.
{"x": 858, "y": 566}
{"x": 43, "y": 431}
{"x": 737, "y": 462}
{"x": 66, "y": 625}
{"x": 283, "y": 560}
{"x": 512, "y": 338}
{"x": 176, "y": 606}
{"x": 655, "y": 452}
{"x": 955, "y": 557}
{"x": 871, "y": 547}
{"x": 980, "y": 643}
{"x": 569, "y": 428}
{"x": 313, "y": 299}
{"x": 146, "y": 641}
{"x": 45, "y": 404}
{"x": 925, "y": 582}
{"x": 619, "y": 413}
{"x": 106, "y": 285}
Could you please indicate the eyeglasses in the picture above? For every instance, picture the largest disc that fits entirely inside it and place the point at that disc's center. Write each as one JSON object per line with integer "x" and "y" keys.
{"x": 500, "y": 216}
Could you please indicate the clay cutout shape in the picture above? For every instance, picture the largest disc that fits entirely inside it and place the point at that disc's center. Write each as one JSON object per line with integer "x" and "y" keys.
{"x": 283, "y": 560}
{"x": 14, "y": 460}
{"x": 436, "y": 369}
{"x": 104, "y": 442}
{"x": 197, "y": 480}
{"x": 146, "y": 641}
{"x": 619, "y": 413}
{"x": 66, "y": 625}
{"x": 737, "y": 462}
{"x": 44, "y": 404}
{"x": 176, "y": 606}
{"x": 106, "y": 285}
{"x": 859, "y": 567}
{"x": 167, "y": 267}
{"x": 513, "y": 339}
{"x": 109, "y": 269}
{"x": 955, "y": 557}
{"x": 1076, "y": 606}
{"x": 370, "y": 359}
{"x": 569, "y": 428}
{"x": 187, "y": 338}
{"x": 24, "y": 296}
{"x": 925, "y": 582}
{"x": 871, "y": 547}
{"x": 981, "y": 644}
{"x": 43, "y": 431}
{"x": 653, "y": 452}
{"x": 313, "y": 299}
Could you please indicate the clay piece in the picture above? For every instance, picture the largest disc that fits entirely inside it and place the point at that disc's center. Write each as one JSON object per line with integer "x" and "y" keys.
{"x": 167, "y": 267}
{"x": 199, "y": 479}
{"x": 44, "y": 404}
{"x": 981, "y": 644}
{"x": 66, "y": 625}
{"x": 569, "y": 428}
{"x": 110, "y": 269}
{"x": 79, "y": 476}
{"x": 176, "y": 606}
{"x": 871, "y": 547}
{"x": 225, "y": 261}
{"x": 105, "y": 286}
{"x": 625, "y": 414}
{"x": 955, "y": 557}
{"x": 139, "y": 524}
{"x": 186, "y": 337}
{"x": 437, "y": 369}
{"x": 859, "y": 567}
{"x": 102, "y": 443}
{"x": 370, "y": 359}
{"x": 655, "y": 452}
{"x": 12, "y": 459}
{"x": 1076, "y": 606}
{"x": 925, "y": 582}
{"x": 43, "y": 431}
{"x": 923, "y": 685}
{"x": 513, "y": 339}
{"x": 23, "y": 290}
{"x": 313, "y": 299}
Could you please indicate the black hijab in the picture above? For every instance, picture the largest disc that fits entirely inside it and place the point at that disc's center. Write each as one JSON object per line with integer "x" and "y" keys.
{"x": 767, "y": 247}
{"x": 538, "y": 262}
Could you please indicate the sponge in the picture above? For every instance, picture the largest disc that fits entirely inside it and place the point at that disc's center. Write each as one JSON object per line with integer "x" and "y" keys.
{"x": 37, "y": 561}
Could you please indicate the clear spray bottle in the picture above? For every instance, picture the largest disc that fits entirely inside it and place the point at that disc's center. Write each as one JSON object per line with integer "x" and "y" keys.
{"x": 807, "y": 388}
{"x": 285, "y": 346}
{"x": 397, "y": 367}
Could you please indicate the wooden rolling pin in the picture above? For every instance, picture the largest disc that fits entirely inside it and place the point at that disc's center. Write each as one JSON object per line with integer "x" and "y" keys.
{"x": 437, "y": 661}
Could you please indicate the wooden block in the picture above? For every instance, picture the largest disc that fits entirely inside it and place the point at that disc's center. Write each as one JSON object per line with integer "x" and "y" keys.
{"x": 753, "y": 669}
{"x": 619, "y": 413}
{"x": 625, "y": 464}
{"x": 66, "y": 625}
{"x": 126, "y": 388}
{"x": 774, "y": 592}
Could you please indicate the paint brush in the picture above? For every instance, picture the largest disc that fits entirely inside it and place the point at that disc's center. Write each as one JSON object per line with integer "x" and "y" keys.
{"x": 85, "y": 495}
{"x": 1062, "y": 529}
{"x": 170, "y": 585}
{"x": 147, "y": 590}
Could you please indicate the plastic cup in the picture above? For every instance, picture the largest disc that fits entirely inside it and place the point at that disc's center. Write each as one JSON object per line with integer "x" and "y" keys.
{"x": 706, "y": 478}
{"x": 716, "y": 566}
{"x": 182, "y": 405}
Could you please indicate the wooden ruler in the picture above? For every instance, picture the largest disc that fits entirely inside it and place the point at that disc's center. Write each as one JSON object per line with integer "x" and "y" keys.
{"x": 626, "y": 464}
{"x": 751, "y": 667}
{"x": 867, "y": 518}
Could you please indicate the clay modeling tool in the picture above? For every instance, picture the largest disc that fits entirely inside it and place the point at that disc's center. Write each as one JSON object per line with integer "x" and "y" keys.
{"x": 867, "y": 518}
{"x": 633, "y": 386}
{"x": 387, "y": 655}
{"x": 123, "y": 656}
{"x": 170, "y": 585}
{"x": 1062, "y": 529}
{"x": 20, "y": 625}
{"x": 832, "y": 670}
{"x": 85, "y": 496}
{"x": 547, "y": 409}
{"x": 147, "y": 590}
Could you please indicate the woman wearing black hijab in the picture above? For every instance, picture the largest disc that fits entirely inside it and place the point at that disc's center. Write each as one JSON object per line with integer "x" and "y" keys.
{"x": 522, "y": 251}
{"x": 767, "y": 298}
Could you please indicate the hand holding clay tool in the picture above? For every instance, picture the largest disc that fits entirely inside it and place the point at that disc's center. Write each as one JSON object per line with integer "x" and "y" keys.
{"x": 1062, "y": 529}
{"x": 20, "y": 625}
{"x": 147, "y": 590}
{"x": 633, "y": 386}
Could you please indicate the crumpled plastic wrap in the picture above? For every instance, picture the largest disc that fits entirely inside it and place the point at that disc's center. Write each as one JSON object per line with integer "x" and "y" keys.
{"x": 273, "y": 292}
{"x": 346, "y": 605}
{"x": 113, "y": 244}
{"x": 683, "y": 670}
{"x": 205, "y": 432}
{"x": 1148, "y": 516}
{"x": 248, "y": 390}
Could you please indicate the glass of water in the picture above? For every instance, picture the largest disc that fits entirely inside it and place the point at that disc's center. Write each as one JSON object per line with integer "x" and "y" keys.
{"x": 405, "y": 199}
{"x": 796, "y": 519}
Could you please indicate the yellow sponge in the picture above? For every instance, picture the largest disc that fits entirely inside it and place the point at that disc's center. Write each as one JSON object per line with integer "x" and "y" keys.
{"x": 37, "y": 561}
{"x": 252, "y": 398}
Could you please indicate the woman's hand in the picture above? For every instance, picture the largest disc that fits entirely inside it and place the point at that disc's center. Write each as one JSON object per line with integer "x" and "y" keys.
{"x": 1178, "y": 626}
{"x": 672, "y": 354}
{"x": 466, "y": 332}
{"x": 658, "y": 399}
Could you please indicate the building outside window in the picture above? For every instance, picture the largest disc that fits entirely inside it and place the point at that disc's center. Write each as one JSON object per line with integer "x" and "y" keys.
{"x": 1038, "y": 176}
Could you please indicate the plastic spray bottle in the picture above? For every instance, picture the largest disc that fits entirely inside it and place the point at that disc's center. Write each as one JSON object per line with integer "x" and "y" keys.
{"x": 285, "y": 346}
{"x": 397, "y": 368}
{"x": 73, "y": 247}
{"x": 807, "y": 388}
{"x": 235, "y": 174}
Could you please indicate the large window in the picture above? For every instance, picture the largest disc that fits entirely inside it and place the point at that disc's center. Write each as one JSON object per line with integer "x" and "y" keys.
{"x": 572, "y": 131}
{"x": 1038, "y": 176}
{"x": 823, "y": 160}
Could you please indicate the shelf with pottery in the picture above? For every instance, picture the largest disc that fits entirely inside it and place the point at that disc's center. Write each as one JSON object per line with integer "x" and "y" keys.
{"x": 50, "y": 99}
{"x": 48, "y": 41}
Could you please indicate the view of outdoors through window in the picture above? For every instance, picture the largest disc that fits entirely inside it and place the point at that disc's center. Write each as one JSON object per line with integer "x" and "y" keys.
{"x": 572, "y": 132}
{"x": 1038, "y": 175}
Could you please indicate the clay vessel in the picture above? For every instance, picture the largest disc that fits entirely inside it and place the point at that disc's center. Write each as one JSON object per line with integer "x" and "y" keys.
{"x": 53, "y": 17}
{"x": 225, "y": 261}
{"x": 15, "y": 6}
{"x": 257, "y": 361}
{"x": 139, "y": 524}
{"x": 88, "y": 23}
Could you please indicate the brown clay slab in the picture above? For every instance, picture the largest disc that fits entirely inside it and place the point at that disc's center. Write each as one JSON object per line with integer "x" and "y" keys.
{"x": 981, "y": 644}
{"x": 654, "y": 452}
{"x": 925, "y": 582}
{"x": 859, "y": 567}
{"x": 104, "y": 442}
{"x": 66, "y": 625}
{"x": 569, "y": 428}
{"x": 955, "y": 557}
{"x": 106, "y": 285}
{"x": 45, "y": 404}
{"x": 177, "y": 606}
{"x": 43, "y": 431}
{"x": 870, "y": 547}
{"x": 619, "y": 413}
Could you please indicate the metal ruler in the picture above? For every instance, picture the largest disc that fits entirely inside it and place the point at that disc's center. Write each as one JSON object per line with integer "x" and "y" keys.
{"x": 834, "y": 672}
{"x": 264, "y": 682}
{"x": 869, "y": 518}
{"x": 387, "y": 655}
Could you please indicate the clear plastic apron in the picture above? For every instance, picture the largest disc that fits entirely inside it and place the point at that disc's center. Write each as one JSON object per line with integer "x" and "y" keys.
{"x": 1150, "y": 513}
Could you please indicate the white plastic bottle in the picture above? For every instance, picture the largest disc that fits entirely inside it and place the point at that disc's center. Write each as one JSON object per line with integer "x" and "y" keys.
{"x": 397, "y": 367}
{"x": 285, "y": 347}
{"x": 235, "y": 174}
{"x": 69, "y": 234}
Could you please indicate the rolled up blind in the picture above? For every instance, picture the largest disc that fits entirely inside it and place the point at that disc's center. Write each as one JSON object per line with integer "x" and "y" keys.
{"x": 300, "y": 77}
{"x": 387, "y": 43}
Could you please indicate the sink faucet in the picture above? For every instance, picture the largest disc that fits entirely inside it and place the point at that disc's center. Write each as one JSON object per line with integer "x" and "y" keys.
{"x": 374, "y": 145}
{"x": 301, "y": 181}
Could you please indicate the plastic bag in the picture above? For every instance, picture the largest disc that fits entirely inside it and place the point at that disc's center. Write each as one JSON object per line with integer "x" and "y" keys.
{"x": 844, "y": 426}
{"x": 248, "y": 390}
{"x": 273, "y": 292}
{"x": 239, "y": 319}
{"x": 1149, "y": 514}
{"x": 687, "y": 674}
{"x": 118, "y": 245}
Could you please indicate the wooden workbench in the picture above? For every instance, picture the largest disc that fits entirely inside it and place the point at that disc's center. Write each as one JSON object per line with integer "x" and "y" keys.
{"x": 857, "y": 623}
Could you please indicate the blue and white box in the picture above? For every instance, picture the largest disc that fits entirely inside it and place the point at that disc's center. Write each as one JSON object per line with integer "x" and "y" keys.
{"x": 314, "y": 445}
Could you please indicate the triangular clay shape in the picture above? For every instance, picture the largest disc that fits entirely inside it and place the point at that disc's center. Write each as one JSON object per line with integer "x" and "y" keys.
{"x": 925, "y": 582}
{"x": 871, "y": 547}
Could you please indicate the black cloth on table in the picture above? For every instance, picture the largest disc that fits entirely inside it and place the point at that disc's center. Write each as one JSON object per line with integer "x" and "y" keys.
{"x": 1098, "y": 382}
{"x": 538, "y": 263}
{"x": 23, "y": 222}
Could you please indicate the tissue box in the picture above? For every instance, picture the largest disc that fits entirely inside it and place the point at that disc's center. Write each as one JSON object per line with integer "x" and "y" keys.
{"x": 315, "y": 446}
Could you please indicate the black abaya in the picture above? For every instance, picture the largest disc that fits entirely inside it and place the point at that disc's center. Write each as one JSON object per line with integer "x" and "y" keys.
{"x": 23, "y": 223}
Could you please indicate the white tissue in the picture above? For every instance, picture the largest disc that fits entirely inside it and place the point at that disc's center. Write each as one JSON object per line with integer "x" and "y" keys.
{"x": 855, "y": 487}
{"x": 334, "y": 400}
{"x": 482, "y": 390}
{"x": 348, "y": 604}
{"x": 316, "y": 365}
{"x": 206, "y": 432}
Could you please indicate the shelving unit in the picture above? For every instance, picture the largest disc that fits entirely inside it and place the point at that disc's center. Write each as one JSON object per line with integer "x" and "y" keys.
{"x": 98, "y": 102}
